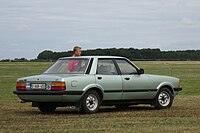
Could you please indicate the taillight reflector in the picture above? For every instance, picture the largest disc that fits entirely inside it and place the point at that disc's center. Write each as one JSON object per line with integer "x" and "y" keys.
{"x": 20, "y": 86}
{"x": 58, "y": 86}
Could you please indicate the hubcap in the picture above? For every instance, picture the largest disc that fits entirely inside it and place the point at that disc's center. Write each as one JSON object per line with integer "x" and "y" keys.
{"x": 164, "y": 98}
{"x": 91, "y": 102}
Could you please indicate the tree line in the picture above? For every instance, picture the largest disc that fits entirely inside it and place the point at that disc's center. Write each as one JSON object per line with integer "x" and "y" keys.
{"x": 130, "y": 53}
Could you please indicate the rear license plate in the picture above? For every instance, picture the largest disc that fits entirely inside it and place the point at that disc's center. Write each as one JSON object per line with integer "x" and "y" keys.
{"x": 38, "y": 86}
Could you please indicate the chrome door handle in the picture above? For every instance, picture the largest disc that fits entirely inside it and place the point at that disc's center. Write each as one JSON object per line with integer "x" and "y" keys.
{"x": 99, "y": 78}
{"x": 127, "y": 78}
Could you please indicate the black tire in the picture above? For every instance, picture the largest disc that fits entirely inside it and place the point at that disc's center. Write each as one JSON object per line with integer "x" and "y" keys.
{"x": 164, "y": 99}
{"x": 47, "y": 107}
{"x": 90, "y": 102}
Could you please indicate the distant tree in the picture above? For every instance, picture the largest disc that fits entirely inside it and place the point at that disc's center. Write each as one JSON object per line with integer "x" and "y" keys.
{"x": 46, "y": 55}
{"x": 5, "y": 60}
{"x": 19, "y": 60}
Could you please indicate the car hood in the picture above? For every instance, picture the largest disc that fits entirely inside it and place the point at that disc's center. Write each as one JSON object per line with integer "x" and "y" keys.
{"x": 161, "y": 78}
{"x": 46, "y": 77}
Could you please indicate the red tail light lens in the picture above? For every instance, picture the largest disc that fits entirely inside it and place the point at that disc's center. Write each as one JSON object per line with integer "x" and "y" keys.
{"x": 58, "y": 86}
{"x": 21, "y": 86}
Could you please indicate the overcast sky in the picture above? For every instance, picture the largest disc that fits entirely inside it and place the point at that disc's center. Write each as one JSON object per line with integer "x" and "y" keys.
{"x": 27, "y": 27}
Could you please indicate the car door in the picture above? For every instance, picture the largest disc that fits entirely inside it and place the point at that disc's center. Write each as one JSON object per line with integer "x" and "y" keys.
{"x": 109, "y": 79}
{"x": 135, "y": 85}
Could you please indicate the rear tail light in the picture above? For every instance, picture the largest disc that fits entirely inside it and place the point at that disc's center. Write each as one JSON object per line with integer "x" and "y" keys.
{"x": 58, "y": 86}
{"x": 21, "y": 86}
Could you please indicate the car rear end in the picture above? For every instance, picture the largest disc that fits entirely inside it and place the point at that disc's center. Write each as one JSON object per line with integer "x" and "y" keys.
{"x": 44, "y": 88}
{"x": 52, "y": 85}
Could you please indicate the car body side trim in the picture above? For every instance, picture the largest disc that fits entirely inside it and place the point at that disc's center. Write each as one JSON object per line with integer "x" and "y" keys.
{"x": 112, "y": 91}
{"x": 141, "y": 90}
{"x": 134, "y": 90}
{"x": 177, "y": 89}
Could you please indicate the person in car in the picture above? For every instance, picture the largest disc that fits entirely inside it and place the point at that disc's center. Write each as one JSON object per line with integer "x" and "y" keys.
{"x": 72, "y": 65}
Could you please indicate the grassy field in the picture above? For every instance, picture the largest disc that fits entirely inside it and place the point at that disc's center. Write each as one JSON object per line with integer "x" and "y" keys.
{"x": 184, "y": 116}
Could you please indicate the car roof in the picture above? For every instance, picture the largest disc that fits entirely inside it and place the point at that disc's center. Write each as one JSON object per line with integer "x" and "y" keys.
{"x": 109, "y": 57}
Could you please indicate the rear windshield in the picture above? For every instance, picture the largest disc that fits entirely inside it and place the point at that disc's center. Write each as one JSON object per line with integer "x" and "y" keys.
{"x": 68, "y": 66}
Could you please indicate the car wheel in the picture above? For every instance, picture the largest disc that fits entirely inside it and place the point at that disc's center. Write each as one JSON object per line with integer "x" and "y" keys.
{"x": 164, "y": 99}
{"x": 90, "y": 102}
{"x": 47, "y": 107}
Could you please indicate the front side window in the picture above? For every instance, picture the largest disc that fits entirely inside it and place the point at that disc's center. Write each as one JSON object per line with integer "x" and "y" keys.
{"x": 126, "y": 68}
{"x": 69, "y": 66}
{"x": 106, "y": 67}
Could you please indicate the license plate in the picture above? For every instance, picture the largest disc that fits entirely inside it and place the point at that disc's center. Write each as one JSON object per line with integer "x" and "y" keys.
{"x": 38, "y": 86}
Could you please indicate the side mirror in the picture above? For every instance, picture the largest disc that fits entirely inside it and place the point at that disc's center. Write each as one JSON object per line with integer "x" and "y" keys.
{"x": 141, "y": 71}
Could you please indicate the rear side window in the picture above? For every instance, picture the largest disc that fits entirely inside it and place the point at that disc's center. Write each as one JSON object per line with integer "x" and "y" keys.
{"x": 106, "y": 67}
{"x": 126, "y": 68}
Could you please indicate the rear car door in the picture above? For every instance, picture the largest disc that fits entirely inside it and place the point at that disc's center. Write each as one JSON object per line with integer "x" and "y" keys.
{"x": 109, "y": 79}
{"x": 135, "y": 85}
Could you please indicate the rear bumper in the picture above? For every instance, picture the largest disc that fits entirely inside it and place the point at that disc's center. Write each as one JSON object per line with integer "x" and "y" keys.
{"x": 48, "y": 92}
{"x": 177, "y": 89}
{"x": 49, "y": 96}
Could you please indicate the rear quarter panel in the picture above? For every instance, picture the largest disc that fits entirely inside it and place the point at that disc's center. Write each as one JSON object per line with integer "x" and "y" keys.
{"x": 79, "y": 83}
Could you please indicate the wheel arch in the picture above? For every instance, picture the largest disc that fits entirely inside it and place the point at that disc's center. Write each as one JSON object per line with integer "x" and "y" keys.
{"x": 166, "y": 85}
{"x": 96, "y": 88}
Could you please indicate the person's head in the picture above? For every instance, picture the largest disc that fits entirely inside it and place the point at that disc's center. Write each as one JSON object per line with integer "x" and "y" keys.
{"x": 77, "y": 51}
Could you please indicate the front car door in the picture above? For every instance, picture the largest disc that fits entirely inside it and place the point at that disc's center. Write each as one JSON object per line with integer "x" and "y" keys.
{"x": 135, "y": 85}
{"x": 109, "y": 79}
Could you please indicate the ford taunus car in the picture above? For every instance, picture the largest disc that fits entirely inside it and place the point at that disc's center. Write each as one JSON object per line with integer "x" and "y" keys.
{"x": 90, "y": 81}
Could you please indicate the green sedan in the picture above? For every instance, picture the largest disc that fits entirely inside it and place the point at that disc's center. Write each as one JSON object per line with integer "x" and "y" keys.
{"x": 87, "y": 82}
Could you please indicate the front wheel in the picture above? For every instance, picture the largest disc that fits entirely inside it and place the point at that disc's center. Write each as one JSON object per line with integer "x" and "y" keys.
{"x": 90, "y": 102}
{"x": 164, "y": 99}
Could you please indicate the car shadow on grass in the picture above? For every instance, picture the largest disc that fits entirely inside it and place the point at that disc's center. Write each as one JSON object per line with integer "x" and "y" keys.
{"x": 73, "y": 111}
{"x": 131, "y": 108}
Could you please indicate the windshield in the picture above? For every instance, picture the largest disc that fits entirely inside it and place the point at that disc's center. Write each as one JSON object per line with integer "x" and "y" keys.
{"x": 69, "y": 66}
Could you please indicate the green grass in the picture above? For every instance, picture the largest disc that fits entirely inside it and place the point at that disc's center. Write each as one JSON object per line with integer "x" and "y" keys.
{"x": 184, "y": 116}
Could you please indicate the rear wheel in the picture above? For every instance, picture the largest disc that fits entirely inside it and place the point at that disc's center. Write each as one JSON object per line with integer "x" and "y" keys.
{"x": 47, "y": 107}
{"x": 90, "y": 102}
{"x": 164, "y": 99}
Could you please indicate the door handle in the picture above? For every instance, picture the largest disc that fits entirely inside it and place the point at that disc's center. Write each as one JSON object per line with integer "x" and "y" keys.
{"x": 99, "y": 78}
{"x": 127, "y": 78}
